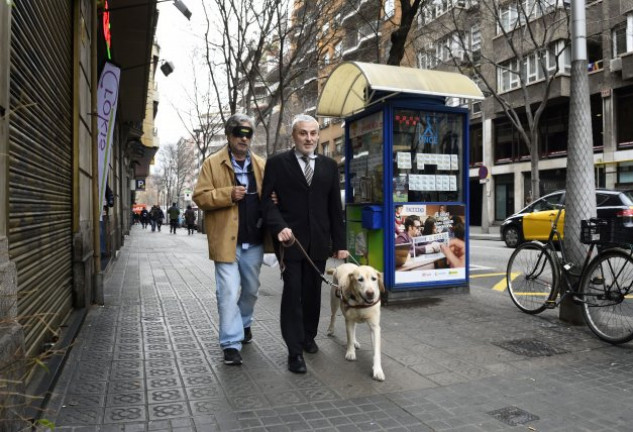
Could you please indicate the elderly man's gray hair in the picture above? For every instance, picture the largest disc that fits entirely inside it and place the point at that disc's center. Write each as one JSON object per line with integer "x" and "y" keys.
{"x": 237, "y": 120}
{"x": 302, "y": 118}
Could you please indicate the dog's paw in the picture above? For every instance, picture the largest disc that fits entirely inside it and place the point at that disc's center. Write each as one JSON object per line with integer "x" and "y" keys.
{"x": 350, "y": 355}
{"x": 330, "y": 331}
{"x": 378, "y": 375}
{"x": 356, "y": 344}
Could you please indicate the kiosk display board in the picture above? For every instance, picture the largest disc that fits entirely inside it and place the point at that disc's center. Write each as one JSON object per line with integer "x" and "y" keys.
{"x": 427, "y": 156}
{"x": 366, "y": 165}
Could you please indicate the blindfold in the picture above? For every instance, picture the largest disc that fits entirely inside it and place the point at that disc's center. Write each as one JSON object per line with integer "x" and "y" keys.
{"x": 242, "y": 131}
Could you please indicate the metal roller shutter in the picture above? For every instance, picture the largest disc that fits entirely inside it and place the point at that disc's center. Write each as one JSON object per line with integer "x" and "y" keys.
{"x": 40, "y": 177}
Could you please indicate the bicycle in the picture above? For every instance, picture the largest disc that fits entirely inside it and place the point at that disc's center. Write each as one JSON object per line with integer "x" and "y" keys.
{"x": 603, "y": 286}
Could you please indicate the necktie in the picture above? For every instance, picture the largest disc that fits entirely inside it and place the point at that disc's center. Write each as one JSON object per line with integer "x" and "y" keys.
{"x": 308, "y": 172}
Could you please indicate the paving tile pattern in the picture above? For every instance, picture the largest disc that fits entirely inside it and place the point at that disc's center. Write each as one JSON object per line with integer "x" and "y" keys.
{"x": 149, "y": 360}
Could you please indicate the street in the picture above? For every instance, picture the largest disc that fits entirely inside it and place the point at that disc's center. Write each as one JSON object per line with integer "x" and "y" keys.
{"x": 488, "y": 260}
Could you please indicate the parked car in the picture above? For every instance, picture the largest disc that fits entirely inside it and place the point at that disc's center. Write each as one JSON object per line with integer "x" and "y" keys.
{"x": 534, "y": 221}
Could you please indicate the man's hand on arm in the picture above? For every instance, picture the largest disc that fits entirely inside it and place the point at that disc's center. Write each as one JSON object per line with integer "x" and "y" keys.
{"x": 341, "y": 254}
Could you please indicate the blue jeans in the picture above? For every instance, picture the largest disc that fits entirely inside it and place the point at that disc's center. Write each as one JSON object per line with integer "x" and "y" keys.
{"x": 235, "y": 305}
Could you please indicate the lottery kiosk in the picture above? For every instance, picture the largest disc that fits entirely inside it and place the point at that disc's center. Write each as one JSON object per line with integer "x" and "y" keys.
{"x": 406, "y": 172}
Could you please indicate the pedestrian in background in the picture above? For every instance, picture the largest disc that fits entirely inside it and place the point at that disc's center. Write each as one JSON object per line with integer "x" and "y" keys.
{"x": 229, "y": 190}
{"x": 190, "y": 220}
{"x": 152, "y": 217}
{"x": 173, "y": 212}
{"x": 157, "y": 216}
{"x": 144, "y": 217}
{"x": 308, "y": 209}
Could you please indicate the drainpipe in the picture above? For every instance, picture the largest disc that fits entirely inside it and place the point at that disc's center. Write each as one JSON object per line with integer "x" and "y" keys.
{"x": 97, "y": 202}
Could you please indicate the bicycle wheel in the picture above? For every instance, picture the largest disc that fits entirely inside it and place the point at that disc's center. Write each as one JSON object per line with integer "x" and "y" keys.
{"x": 532, "y": 276}
{"x": 607, "y": 295}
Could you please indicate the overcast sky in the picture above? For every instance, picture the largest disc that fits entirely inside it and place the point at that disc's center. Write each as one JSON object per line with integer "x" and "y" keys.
{"x": 178, "y": 38}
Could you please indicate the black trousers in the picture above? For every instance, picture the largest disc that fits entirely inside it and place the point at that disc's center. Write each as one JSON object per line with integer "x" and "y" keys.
{"x": 300, "y": 303}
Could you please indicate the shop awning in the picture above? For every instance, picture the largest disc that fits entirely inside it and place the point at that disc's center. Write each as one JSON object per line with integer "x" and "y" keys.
{"x": 133, "y": 26}
{"x": 352, "y": 85}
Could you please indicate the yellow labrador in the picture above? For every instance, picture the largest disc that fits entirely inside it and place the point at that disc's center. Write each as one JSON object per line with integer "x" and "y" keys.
{"x": 358, "y": 295}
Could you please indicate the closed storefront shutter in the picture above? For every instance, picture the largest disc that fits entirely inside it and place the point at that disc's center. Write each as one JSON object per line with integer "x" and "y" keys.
{"x": 40, "y": 177}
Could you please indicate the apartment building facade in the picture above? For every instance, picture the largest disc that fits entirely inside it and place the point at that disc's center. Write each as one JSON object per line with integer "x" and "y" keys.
{"x": 471, "y": 37}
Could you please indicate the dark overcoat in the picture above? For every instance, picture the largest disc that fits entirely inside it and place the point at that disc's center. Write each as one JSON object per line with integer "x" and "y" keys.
{"x": 314, "y": 213}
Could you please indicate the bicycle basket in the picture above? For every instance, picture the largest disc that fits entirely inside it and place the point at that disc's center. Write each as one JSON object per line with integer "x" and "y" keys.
{"x": 605, "y": 231}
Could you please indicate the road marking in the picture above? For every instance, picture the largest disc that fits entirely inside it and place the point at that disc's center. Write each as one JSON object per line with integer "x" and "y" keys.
{"x": 503, "y": 283}
{"x": 479, "y": 267}
{"x": 486, "y": 275}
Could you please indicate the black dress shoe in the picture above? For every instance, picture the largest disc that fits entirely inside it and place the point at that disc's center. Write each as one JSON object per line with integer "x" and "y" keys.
{"x": 311, "y": 347}
{"x": 297, "y": 364}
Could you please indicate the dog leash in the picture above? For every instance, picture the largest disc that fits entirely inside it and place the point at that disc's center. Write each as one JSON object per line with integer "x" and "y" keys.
{"x": 295, "y": 242}
{"x": 339, "y": 293}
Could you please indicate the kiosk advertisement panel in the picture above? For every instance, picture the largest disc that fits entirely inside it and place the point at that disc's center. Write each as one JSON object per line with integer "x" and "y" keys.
{"x": 423, "y": 231}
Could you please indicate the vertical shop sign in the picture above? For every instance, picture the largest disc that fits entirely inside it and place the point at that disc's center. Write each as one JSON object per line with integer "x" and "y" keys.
{"x": 107, "y": 98}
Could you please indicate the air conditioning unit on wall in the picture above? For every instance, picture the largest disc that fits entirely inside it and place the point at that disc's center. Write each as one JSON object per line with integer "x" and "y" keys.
{"x": 615, "y": 64}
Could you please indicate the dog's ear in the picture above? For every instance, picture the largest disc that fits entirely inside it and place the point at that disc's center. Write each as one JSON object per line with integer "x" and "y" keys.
{"x": 381, "y": 282}
{"x": 330, "y": 271}
{"x": 351, "y": 280}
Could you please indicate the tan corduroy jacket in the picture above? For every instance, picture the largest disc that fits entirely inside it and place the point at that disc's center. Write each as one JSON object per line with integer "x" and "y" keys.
{"x": 213, "y": 195}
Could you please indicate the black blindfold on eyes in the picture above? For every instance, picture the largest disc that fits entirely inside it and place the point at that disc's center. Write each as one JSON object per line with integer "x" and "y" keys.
{"x": 242, "y": 131}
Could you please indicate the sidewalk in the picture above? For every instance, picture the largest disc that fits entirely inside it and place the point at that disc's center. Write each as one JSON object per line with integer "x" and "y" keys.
{"x": 149, "y": 360}
{"x": 476, "y": 233}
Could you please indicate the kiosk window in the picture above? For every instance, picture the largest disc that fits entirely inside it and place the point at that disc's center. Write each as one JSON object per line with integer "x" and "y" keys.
{"x": 366, "y": 165}
{"x": 428, "y": 151}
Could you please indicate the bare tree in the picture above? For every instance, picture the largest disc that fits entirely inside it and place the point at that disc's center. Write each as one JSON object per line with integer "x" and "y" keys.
{"x": 400, "y": 36}
{"x": 534, "y": 48}
{"x": 176, "y": 167}
{"x": 263, "y": 61}
{"x": 203, "y": 120}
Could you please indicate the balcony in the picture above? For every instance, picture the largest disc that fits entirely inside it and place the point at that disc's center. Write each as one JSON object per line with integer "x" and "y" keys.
{"x": 354, "y": 39}
{"x": 367, "y": 7}
{"x": 627, "y": 65}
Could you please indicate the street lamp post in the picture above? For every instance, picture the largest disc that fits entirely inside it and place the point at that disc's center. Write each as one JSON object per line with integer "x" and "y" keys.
{"x": 200, "y": 213}
{"x": 581, "y": 193}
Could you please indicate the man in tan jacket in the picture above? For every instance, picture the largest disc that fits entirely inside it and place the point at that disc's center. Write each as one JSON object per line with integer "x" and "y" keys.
{"x": 228, "y": 190}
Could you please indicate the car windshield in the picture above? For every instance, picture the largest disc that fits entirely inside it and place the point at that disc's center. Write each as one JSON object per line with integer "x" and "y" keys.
{"x": 627, "y": 198}
{"x": 548, "y": 202}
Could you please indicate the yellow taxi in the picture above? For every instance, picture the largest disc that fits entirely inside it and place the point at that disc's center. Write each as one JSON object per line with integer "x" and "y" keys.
{"x": 534, "y": 222}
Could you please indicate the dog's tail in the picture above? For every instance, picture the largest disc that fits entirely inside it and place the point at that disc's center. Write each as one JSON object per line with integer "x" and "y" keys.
{"x": 330, "y": 271}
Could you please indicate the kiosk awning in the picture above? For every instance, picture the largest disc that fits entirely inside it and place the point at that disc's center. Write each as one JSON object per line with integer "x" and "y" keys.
{"x": 351, "y": 85}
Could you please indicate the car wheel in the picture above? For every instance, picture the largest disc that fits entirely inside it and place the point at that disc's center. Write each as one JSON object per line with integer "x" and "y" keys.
{"x": 512, "y": 237}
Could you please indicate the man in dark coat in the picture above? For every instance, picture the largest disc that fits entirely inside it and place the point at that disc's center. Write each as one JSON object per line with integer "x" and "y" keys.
{"x": 308, "y": 209}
